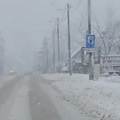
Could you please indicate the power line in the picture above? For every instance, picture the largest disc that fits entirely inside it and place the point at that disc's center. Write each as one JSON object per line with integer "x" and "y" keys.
{"x": 55, "y": 27}
{"x": 62, "y": 9}
{"x": 63, "y": 19}
{"x": 63, "y": 15}
{"x": 76, "y": 3}
{"x": 39, "y": 31}
{"x": 77, "y": 6}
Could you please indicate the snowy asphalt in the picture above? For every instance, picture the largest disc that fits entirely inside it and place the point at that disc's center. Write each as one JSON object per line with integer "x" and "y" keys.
{"x": 30, "y": 98}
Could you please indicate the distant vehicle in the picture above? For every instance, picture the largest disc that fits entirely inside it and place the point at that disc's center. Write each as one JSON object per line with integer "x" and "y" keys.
{"x": 12, "y": 72}
{"x": 28, "y": 73}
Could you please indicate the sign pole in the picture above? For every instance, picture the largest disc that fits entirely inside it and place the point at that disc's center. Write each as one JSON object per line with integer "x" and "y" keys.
{"x": 91, "y": 74}
{"x": 90, "y": 45}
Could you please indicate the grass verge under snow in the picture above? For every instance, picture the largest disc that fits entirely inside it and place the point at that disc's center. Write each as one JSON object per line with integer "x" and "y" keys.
{"x": 99, "y": 99}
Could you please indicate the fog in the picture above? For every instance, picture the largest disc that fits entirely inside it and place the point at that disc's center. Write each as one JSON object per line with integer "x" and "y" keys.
{"x": 24, "y": 23}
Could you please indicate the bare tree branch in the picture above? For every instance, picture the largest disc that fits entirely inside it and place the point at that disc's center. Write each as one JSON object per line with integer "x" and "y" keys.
{"x": 102, "y": 35}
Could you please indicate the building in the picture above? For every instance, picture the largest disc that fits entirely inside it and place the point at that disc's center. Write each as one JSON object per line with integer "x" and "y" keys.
{"x": 80, "y": 60}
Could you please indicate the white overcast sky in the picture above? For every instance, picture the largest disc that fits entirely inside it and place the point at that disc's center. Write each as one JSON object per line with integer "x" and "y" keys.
{"x": 19, "y": 21}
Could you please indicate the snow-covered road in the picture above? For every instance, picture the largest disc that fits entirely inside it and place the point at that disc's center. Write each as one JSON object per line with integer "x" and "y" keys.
{"x": 30, "y": 98}
{"x": 99, "y": 99}
{"x": 5, "y": 79}
{"x": 14, "y": 99}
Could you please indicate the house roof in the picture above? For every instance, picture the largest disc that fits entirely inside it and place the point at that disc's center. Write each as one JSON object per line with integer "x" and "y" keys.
{"x": 76, "y": 52}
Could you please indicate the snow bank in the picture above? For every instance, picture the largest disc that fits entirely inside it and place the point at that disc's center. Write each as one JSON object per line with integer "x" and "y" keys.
{"x": 63, "y": 77}
{"x": 99, "y": 99}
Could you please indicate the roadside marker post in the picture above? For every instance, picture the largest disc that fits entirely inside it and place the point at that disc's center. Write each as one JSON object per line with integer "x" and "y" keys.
{"x": 90, "y": 48}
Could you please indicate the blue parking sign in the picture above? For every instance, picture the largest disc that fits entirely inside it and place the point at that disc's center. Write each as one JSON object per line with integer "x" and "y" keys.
{"x": 90, "y": 41}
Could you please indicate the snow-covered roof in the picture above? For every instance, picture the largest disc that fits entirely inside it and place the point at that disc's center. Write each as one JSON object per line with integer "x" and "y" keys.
{"x": 76, "y": 52}
{"x": 77, "y": 61}
{"x": 110, "y": 55}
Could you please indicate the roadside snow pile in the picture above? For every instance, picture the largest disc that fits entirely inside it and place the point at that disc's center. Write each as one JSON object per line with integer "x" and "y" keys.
{"x": 63, "y": 77}
{"x": 99, "y": 99}
{"x": 112, "y": 79}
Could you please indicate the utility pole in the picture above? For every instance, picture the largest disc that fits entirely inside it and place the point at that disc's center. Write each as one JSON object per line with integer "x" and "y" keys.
{"x": 43, "y": 56}
{"x": 39, "y": 62}
{"x": 46, "y": 54}
{"x": 54, "y": 51}
{"x": 91, "y": 74}
{"x": 99, "y": 54}
{"x": 69, "y": 42}
{"x": 89, "y": 16}
{"x": 58, "y": 45}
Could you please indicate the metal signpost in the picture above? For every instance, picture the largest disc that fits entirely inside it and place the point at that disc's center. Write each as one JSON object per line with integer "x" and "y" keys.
{"x": 90, "y": 45}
